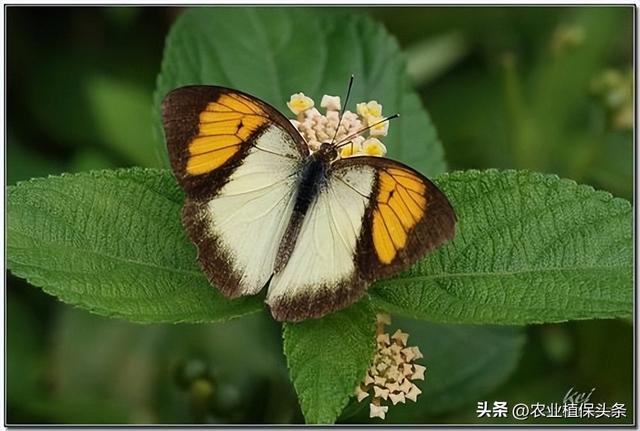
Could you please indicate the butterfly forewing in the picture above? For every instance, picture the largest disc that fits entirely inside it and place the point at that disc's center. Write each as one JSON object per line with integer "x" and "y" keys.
{"x": 237, "y": 160}
{"x": 209, "y": 131}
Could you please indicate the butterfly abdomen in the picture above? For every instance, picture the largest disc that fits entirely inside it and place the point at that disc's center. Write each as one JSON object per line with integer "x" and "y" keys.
{"x": 312, "y": 177}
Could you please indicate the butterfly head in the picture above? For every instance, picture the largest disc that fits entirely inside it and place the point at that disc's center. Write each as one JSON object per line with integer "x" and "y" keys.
{"x": 327, "y": 152}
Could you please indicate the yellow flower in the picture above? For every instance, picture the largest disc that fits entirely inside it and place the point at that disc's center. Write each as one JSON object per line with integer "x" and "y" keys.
{"x": 369, "y": 109}
{"x": 373, "y": 147}
{"x": 299, "y": 103}
{"x": 350, "y": 150}
{"x": 353, "y": 148}
{"x": 316, "y": 127}
{"x": 379, "y": 129}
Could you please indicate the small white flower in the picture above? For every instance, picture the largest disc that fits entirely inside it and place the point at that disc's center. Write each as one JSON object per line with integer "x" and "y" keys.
{"x": 393, "y": 387}
{"x": 311, "y": 134}
{"x": 417, "y": 353}
{"x": 323, "y": 136}
{"x": 413, "y": 393}
{"x": 380, "y": 393}
{"x": 312, "y": 113}
{"x": 377, "y": 411}
{"x": 383, "y": 339}
{"x": 408, "y": 354}
{"x": 330, "y": 103}
{"x": 406, "y": 386}
{"x": 406, "y": 369}
{"x": 418, "y": 373}
{"x": 333, "y": 117}
{"x": 399, "y": 336}
{"x": 360, "y": 394}
{"x": 355, "y": 127}
{"x": 349, "y": 117}
{"x": 396, "y": 398}
{"x": 389, "y": 378}
{"x": 299, "y": 103}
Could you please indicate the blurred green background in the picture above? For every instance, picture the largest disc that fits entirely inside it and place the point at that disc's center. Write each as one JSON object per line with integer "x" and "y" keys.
{"x": 546, "y": 89}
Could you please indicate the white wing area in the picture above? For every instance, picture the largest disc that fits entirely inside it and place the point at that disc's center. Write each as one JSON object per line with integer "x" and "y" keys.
{"x": 324, "y": 252}
{"x": 251, "y": 212}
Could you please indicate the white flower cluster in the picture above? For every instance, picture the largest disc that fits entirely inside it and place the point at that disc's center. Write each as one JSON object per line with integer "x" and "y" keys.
{"x": 393, "y": 371}
{"x": 317, "y": 128}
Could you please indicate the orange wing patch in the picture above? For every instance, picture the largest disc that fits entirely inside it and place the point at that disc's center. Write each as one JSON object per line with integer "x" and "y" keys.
{"x": 223, "y": 126}
{"x": 401, "y": 204}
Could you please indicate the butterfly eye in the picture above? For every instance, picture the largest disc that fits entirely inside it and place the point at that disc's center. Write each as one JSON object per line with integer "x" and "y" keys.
{"x": 333, "y": 154}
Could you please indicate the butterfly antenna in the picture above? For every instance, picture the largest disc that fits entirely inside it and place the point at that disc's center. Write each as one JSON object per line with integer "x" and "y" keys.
{"x": 347, "y": 140}
{"x": 344, "y": 106}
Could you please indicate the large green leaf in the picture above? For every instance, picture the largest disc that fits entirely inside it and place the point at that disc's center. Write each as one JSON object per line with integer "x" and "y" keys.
{"x": 529, "y": 248}
{"x": 328, "y": 357}
{"x": 275, "y": 52}
{"x": 112, "y": 242}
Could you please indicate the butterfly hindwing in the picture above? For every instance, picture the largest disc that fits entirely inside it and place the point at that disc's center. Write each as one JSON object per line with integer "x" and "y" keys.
{"x": 407, "y": 217}
{"x": 321, "y": 274}
{"x": 372, "y": 218}
{"x": 237, "y": 159}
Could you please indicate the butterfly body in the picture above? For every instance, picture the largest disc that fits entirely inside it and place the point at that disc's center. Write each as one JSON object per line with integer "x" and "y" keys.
{"x": 312, "y": 177}
{"x": 263, "y": 211}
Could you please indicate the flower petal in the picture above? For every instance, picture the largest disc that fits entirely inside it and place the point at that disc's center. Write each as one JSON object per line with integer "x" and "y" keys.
{"x": 299, "y": 103}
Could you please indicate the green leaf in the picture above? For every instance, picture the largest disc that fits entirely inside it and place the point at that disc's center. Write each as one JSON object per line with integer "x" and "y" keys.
{"x": 282, "y": 51}
{"x": 529, "y": 248}
{"x": 112, "y": 242}
{"x": 328, "y": 357}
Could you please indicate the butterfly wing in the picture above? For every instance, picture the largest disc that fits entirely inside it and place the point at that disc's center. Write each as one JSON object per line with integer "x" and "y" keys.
{"x": 372, "y": 218}
{"x": 407, "y": 217}
{"x": 237, "y": 158}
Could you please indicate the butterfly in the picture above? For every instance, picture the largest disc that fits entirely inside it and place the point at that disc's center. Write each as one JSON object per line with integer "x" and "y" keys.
{"x": 265, "y": 211}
